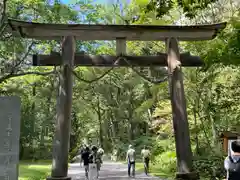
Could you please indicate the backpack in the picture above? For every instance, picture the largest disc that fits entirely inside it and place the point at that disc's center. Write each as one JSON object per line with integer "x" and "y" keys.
{"x": 94, "y": 158}
{"x": 91, "y": 158}
{"x": 234, "y": 169}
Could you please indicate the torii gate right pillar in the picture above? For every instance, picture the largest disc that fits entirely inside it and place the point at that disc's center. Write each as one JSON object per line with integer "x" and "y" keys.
{"x": 179, "y": 113}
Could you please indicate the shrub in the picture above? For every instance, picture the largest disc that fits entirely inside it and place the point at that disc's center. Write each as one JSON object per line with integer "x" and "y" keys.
{"x": 210, "y": 166}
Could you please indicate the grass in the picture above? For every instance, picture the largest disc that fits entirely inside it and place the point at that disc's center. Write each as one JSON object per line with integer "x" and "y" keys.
{"x": 155, "y": 170}
{"x": 34, "y": 170}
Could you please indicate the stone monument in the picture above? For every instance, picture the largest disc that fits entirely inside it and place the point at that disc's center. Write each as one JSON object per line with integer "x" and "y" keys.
{"x": 9, "y": 137}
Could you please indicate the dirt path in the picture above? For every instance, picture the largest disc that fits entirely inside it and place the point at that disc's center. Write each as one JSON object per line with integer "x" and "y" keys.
{"x": 109, "y": 171}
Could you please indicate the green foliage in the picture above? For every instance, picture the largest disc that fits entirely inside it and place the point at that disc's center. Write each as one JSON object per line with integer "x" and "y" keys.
{"x": 162, "y": 146}
{"x": 73, "y": 153}
{"x": 168, "y": 161}
{"x": 190, "y": 7}
{"x": 210, "y": 166}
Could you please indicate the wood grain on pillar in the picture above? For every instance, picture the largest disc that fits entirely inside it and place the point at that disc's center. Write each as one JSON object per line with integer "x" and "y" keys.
{"x": 64, "y": 106}
{"x": 180, "y": 121}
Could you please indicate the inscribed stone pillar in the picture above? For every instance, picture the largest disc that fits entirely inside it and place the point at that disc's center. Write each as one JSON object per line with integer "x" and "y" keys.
{"x": 9, "y": 137}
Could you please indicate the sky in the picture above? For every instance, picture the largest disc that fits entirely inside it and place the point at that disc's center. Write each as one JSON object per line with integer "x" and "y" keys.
{"x": 120, "y": 2}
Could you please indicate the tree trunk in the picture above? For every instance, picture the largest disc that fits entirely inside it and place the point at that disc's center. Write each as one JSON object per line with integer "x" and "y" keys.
{"x": 130, "y": 116}
{"x": 100, "y": 122}
{"x": 113, "y": 129}
{"x": 33, "y": 117}
{"x": 131, "y": 130}
{"x": 196, "y": 134}
{"x": 46, "y": 121}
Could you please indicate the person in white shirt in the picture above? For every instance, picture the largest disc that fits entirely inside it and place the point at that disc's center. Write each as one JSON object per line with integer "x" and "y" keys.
{"x": 131, "y": 156}
{"x": 146, "y": 158}
{"x": 101, "y": 153}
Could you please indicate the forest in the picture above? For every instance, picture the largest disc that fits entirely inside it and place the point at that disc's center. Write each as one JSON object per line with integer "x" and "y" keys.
{"x": 116, "y": 107}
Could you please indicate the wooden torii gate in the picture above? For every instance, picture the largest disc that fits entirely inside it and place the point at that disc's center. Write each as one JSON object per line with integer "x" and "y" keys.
{"x": 121, "y": 33}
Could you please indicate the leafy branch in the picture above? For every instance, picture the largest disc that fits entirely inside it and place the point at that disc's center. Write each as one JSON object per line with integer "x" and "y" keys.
{"x": 8, "y": 76}
{"x": 15, "y": 72}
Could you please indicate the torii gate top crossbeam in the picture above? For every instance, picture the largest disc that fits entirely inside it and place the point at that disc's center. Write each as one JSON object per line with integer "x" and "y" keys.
{"x": 85, "y": 32}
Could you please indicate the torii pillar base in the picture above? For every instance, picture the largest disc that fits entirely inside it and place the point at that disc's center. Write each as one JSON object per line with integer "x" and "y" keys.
{"x": 187, "y": 176}
{"x": 59, "y": 178}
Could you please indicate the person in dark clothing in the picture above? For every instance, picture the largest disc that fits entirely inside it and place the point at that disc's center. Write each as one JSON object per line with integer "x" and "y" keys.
{"x": 80, "y": 152}
{"x": 131, "y": 156}
{"x": 232, "y": 162}
{"x": 85, "y": 158}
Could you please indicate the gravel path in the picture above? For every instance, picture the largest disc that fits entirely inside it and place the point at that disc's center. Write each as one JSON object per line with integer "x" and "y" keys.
{"x": 109, "y": 171}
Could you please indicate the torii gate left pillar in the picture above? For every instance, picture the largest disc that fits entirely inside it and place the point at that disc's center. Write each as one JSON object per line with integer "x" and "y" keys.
{"x": 63, "y": 119}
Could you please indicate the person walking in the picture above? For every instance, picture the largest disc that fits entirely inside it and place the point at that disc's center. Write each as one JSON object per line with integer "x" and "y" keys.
{"x": 100, "y": 154}
{"x": 146, "y": 158}
{"x": 94, "y": 160}
{"x": 232, "y": 162}
{"x": 80, "y": 152}
{"x": 85, "y": 158}
{"x": 131, "y": 156}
